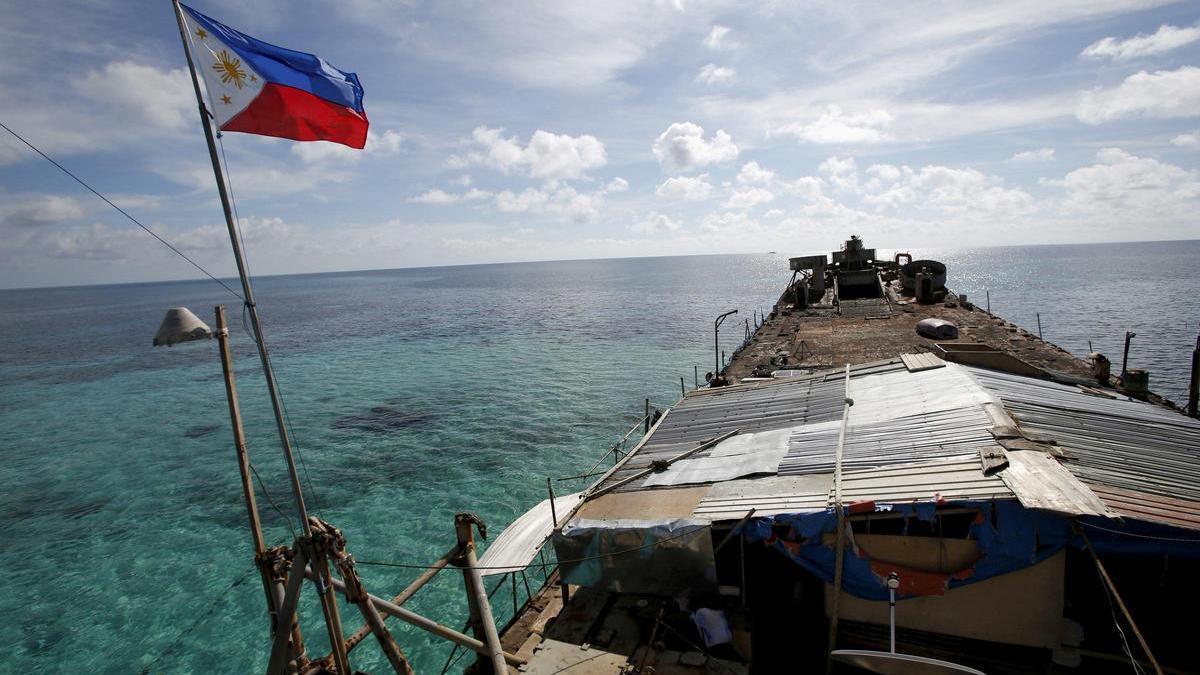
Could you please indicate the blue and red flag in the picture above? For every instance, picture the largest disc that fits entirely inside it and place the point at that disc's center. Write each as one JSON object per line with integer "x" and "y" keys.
{"x": 258, "y": 88}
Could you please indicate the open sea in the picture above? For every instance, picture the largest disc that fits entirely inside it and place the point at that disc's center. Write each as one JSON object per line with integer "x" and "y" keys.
{"x": 413, "y": 394}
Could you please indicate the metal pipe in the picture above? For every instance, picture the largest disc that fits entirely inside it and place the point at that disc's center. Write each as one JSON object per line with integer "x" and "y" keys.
{"x": 647, "y": 471}
{"x": 428, "y": 625}
{"x": 1125, "y": 359}
{"x": 1194, "y": 386}
{"x": 646, "y": 419}
{"x": 1039, "y": 320}
{"x": 485, "y": 612}
{"x": 330, "y": 608}
{"x": 717, "y": 339}
{"x": 682, "y": 389}
{"x": 287, "y": 609}
{"x": 407, "y": 594}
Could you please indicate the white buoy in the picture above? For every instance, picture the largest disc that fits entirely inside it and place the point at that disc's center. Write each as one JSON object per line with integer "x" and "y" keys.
{"x": 180, "y": 325}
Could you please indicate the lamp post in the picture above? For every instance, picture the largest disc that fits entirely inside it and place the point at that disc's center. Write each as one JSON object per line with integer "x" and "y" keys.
{"x": 717, "y": 340}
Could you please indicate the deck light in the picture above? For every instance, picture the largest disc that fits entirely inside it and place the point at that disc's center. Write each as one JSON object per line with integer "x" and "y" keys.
{"x": 181, "y": 325}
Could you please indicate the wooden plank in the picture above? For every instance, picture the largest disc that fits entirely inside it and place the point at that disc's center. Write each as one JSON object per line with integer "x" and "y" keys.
{"x": 993, "y": 458}
{"x": 918, "y": 362}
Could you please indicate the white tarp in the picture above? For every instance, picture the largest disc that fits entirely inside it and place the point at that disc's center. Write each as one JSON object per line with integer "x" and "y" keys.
{"x": 520, "y": 542}
{"x": 734, "y": 457}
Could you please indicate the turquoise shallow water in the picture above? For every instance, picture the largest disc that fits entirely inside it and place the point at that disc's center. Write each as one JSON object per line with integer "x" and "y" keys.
{"x": 413, "y": 394}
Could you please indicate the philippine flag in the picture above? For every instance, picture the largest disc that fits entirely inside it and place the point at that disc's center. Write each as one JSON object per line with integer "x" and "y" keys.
{"x": 258, "y": 88}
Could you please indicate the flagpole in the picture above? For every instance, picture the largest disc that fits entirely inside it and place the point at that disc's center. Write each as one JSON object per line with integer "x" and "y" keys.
{"x": 328, "y": 600}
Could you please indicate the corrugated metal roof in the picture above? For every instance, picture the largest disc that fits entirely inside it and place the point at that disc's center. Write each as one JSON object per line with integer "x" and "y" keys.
{"x": 750, "y": 408}
{"x": 1118, "y": 447}
{"x": 768, "y": 496}
{"x": 898, "y": 417}
{"x": 947, "y": 478}
{"x": 519, "y": 543}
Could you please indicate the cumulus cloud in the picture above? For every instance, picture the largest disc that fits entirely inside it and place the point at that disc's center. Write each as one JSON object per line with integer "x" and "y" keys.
{"x": 713, "y": 74}
{"x": 837, "y": 126}
{"x": 435, "y": 196}
{"x": 960, "y": 191}
{"x": 378, "y": 144}
{"x": 753, "y": 174}
{"x": 547, "y": 156}
{"x": 1162, "y": 94}
{"x": 683, "y": 146}
{"x": 749, "y": 197}
{"x": 563, "y": 201}
{"x": 1188, "y": 140}
{"x": 1165, "y": 39}
{"x": 36, "y": 211}
{"x": 160, "y": 98}
{"x": 685, "y": 188}
{"x": 1121, "y": 184}
{"x": 1039, "y": 155}
{"x": 718, "y": 38}
{"x": 655, "y": 223}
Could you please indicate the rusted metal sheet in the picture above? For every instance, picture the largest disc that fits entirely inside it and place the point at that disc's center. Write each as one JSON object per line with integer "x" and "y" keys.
{"x": 1151, "y": 507}
{"x": 1122, "y": 445}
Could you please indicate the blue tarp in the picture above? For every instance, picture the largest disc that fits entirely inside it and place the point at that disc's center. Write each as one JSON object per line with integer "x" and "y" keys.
{"x": 1009, "y": 536}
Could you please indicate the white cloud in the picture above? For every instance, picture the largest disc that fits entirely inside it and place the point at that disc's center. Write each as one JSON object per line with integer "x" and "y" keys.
{"x": 836, "y": 126}
{"x": 842, "y": 173}
{"x": 435, "y": 196}
{"x": 161, "y": 98}
{"x": 378, "y": 144}
{"x": 1039, "y": 155}
{"x": 547, "y": 156}
{"x": 617, "y": 184}
{"x": 718, "y": 38}
{"x": 963, "y": 192}
{"x": 683, "y": 146}
{"x": 753, "y": 174}
{"x": 686, "y": 188}
{"x": 563, "y": 201}
{"x": 1130, "y": 189}
{"x": 773, "y": 213}
{"x": 749, "y": 197}
{"x": 713, "y": 74}
{"x": 1188, "y": 140}
{"x": 36, "y": 211}
{"x": 1164, "y": 39}
{"x": 655, "y": 223}
{"x": 1161, "y": 94}
{"x": 736, "y": 223}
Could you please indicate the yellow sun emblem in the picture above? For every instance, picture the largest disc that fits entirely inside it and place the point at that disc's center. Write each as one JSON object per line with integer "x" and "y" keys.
{"x": 230, "y": 69}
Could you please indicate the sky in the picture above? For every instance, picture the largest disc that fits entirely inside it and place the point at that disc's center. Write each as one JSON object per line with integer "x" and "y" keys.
{"x": 514, "y": 131}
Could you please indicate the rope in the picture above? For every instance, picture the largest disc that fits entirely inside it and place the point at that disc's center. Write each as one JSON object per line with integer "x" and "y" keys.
{"x": 267, "y": 494}
{"x": 560, "y": 562}
{"x": 122, "y": 211}
{"x": 217, "y": 604}
{"x": 1141, "y": 536}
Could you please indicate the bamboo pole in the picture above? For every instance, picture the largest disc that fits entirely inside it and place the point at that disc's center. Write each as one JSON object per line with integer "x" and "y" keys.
{"x": 243, "y": 460}
{"x": 388, "y": 644}
{"x": 841, "y": 523}
{"x": 1120, "y": 603}
{"x": 485, "y": 612}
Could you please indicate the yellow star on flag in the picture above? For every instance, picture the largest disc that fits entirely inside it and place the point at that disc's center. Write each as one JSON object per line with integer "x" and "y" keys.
{"x": 226, "y": 100}
{"x": 201, "y": 33}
